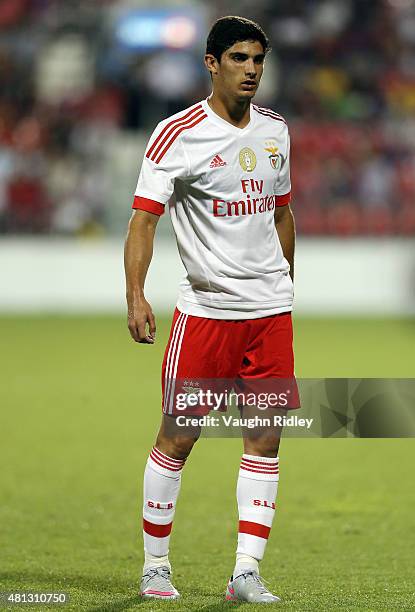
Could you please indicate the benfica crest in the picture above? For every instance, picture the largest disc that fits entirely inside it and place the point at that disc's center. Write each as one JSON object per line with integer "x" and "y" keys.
{"x": 191, "y": 387}
{"x": 275, "y": 158}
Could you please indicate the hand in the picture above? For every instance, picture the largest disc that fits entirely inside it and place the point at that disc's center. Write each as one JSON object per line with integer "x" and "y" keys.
{"x": 139, "y": 316}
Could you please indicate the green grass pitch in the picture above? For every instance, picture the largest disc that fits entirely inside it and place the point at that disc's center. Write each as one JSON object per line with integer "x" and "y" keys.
{"x": 79, "y": 411}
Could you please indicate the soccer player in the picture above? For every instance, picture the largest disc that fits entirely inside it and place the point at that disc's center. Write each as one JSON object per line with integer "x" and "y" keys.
{"x": 222, "y": 168}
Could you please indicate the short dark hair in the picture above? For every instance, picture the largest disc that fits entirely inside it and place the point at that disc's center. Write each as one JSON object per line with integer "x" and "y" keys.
{"x": 227, "y": 31}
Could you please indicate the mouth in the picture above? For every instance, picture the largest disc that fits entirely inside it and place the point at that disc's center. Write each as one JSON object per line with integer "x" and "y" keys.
{"x": 249, "y": 84}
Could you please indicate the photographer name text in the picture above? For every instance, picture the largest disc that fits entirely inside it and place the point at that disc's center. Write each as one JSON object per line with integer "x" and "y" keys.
{"x": 250, "y": 423}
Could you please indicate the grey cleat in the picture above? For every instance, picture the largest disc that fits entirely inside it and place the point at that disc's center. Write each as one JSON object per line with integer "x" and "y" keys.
{"x": 249, "y": 587}
{"x": 156, "y": 584}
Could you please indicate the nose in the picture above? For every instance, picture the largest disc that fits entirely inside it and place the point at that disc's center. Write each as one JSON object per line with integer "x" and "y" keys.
{"x": 250, "y": 68}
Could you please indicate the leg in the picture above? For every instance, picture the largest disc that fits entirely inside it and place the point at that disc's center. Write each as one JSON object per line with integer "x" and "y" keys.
{"x": 257, "y": 488}
{"x": 174, "y": 441}
{"x": 262, "y": 441}
{"x": 269, "y": 356}
{"x": 189, "y": 337}
{"x": 256, "y": 494}
{"x": 162, "y": 480}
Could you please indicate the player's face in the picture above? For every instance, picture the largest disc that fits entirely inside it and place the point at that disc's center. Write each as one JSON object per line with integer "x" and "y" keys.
{"x": 240, "y": 70}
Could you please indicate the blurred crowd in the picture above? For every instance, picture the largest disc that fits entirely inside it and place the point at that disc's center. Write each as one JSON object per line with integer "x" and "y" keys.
{"x": 71, "y": 99}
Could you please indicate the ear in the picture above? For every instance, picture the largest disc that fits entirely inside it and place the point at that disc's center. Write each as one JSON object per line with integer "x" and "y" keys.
{"x": 211, "y": 63}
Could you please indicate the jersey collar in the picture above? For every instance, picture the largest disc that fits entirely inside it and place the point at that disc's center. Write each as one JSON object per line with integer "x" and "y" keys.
{"x": 228, "y": 126}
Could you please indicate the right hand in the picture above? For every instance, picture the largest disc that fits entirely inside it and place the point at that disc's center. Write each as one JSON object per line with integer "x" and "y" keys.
{"x": 139, "y": 316}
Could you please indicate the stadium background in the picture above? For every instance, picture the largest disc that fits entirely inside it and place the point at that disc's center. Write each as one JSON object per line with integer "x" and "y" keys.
{"x": 81, "y": 86}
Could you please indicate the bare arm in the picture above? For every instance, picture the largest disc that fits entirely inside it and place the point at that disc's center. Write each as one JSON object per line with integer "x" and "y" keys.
{"x": 137, "y": 257}
{"x": 284, "y": 224}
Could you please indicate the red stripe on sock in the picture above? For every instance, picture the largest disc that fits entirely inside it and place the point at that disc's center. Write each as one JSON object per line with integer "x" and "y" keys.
{"x": 168, "y": 460}
{"x": 249, "y": 469}
{"x": 163, "y": 456}
{"x": 166, "y": 466}
{"x": 255, "y": 529}
{"x": 259, "y": 467}
{"x": 264, "y": 464}
{"x": 158, "y": 531}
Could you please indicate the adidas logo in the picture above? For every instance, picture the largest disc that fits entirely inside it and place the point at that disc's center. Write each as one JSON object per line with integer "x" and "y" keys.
{"x": 217, "y": 162}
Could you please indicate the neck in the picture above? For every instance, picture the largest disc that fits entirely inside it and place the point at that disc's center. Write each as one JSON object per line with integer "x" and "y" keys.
{"x": 236, "y": 112}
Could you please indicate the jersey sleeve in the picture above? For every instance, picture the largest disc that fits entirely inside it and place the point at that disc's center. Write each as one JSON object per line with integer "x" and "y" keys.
{"x": 283, "y": 183}
{"x": 164, "y": 161}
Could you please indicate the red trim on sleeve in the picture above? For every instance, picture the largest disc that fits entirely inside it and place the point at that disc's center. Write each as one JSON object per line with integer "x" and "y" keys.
{"x": 149, "y": 205}
{"x": 256, "y": 529}
{"x": 157, "y": 531}
{"x": 283, "y": 200}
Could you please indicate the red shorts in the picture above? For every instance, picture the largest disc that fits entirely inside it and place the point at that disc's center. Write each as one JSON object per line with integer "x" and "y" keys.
{"x": 248, "y": 351}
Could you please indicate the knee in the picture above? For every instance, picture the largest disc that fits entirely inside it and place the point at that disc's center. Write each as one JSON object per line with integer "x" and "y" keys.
{"x": 264, "y": 446}
{"x": 177, "y": 447}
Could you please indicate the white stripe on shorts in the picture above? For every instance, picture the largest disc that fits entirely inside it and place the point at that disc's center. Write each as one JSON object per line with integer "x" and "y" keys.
{"x": 176, "y": 363}
{"x": 167, "y": 377}
{"x": 180, "y": 321}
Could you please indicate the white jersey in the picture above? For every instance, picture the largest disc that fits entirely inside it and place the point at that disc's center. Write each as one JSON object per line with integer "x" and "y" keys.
{"x": 222, "y": 184}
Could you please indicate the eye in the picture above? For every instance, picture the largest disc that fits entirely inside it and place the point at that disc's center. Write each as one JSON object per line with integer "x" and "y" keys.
{"x": 259, "y": 59}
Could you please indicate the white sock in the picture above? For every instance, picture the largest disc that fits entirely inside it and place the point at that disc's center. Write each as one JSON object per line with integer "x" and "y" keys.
{"x": 256, "y": 494}
{"x": 162, "y": 478}
{"x": 245, "y": 563}
{"x": 153, "y": 561}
